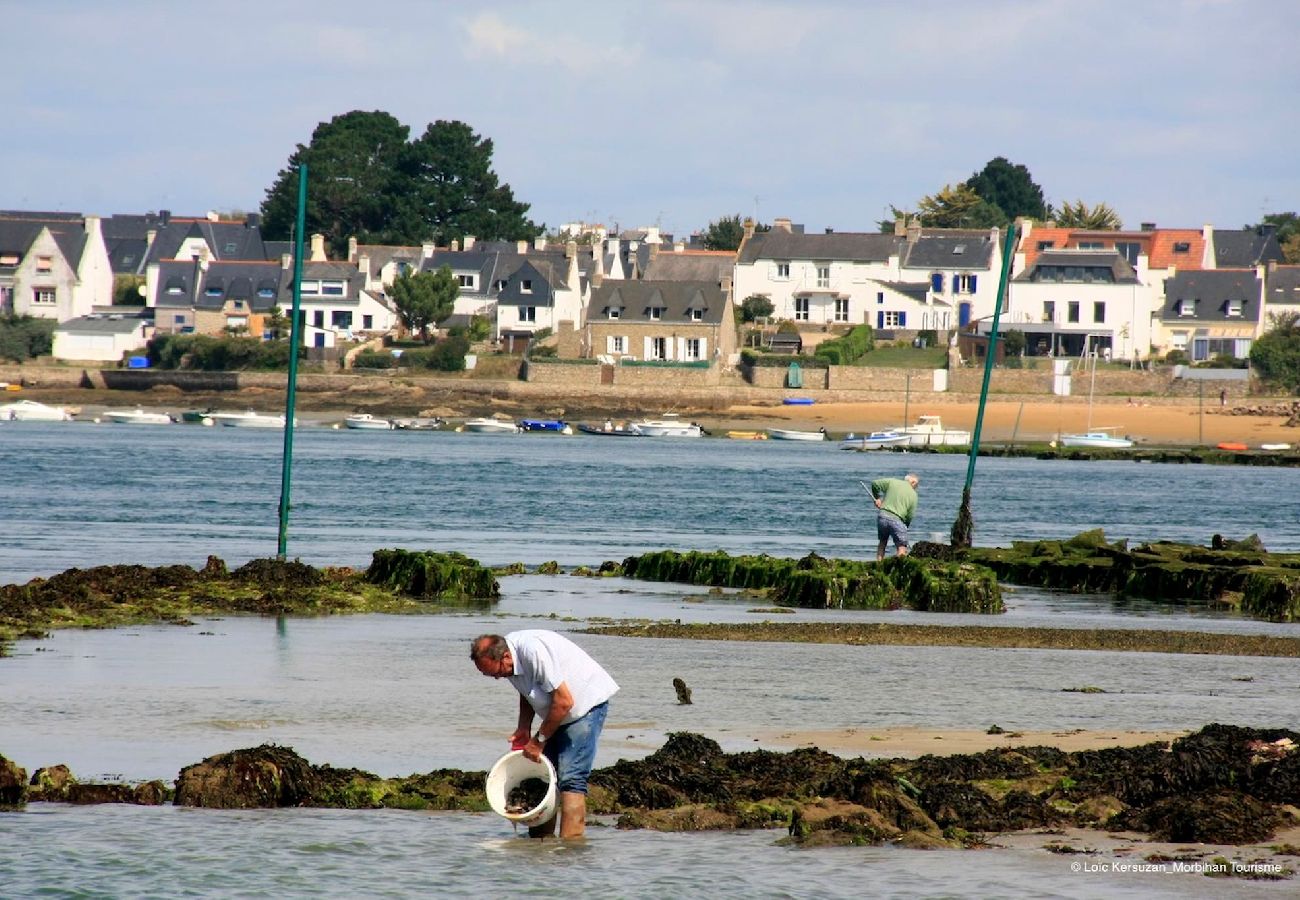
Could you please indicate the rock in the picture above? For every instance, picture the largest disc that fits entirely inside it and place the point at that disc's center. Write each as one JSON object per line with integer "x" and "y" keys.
{"x": 1222, "y": 817}
{"x": 683, "y": 692}
{"x": 51, "y": 782}
{"x": 13, "y": 784}
{"x": 849, "y": 823}
{"x": 263, "y": 777}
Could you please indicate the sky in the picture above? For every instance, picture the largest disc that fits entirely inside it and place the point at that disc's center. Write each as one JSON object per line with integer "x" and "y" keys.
{"x": 676, "y": 114}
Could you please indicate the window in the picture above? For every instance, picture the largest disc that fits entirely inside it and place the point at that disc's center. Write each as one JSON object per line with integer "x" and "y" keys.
{"x": 230, "y": 247}
{"x": 526, "y": 286}
{"x": 801, "y": 309}
{"x": 266, "y": 290}
{"x": 1182, "y": 246}
{"x": 318, "y": 318}
{"x": 43, "y": 296}
{"x": 959, "y": 250}
{"x": 528, "y": 314}
{"x": 367, "y": 323}
{"x": 8, "y": 259}
{"x": 1129, "y": 250}
{"x": 616, "y": 345}
{"x": 1049, "y": 310}
{"x": 1091, "y": 245}
{"x": 692, "y": 348}
{"x": 841, "y": 309}
{"x": 1099, "y": 311}
{"x": 501, "y": 284}
{"x": 880, "y": 296}
{"x": 1232, "y": 308}
{"x": 236, "y": 322}
{"x": 214, "y": 291}
{"x": 1179, "y": 340}
{"x": 697, "y": 315}
{"x": 311, "y": 288}
{"x": 936, "y": 282}
{"x": 466, "y": 281}
{"x": 332, "y": 288}
{"x": 893, "y": 320}
{"x": 178, "y": 319}
{"x": 659, "y": 348}
{"x": 963, "y": 284}
{"x": 1046, "y": 245}
{"x": 341, "y": 319}
{"x": 783, "y": 271}
{"x": 823, "y": 276}
{"x": 1186, "y": 307}
{"x": 44, "y": 264}
{"x": 1072, "y": 313}
{"x": 613, "y": 312}
{"x": 656, "y": 313}
{"x": 237, "y": 304}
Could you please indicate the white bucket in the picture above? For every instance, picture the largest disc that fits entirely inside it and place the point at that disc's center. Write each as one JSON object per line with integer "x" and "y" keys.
{"x": 508, "y": 773}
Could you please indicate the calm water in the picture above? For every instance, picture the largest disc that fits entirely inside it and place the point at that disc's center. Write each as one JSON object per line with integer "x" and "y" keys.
{"x": 373, "y": 691}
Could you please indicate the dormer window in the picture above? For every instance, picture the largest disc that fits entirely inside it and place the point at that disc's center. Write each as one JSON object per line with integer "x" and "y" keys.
{"x": 332, "y": 288}
{"x": 1182, "y": 246}
{"x": 697, "y": 315}
{"x": 526, "y": 286}
{"x": 612, "y": 312}
{"x": 1186, "y": 307}
{"x": 214, "y": 291}
{"x": 655, "y": 313}
{"x": 1232, "y": 309}
{"x": 501, "y": 284}
{"x": 466, "y": 281}
{"x": 1046, "y": 245}
{"x": 230, "y": 247}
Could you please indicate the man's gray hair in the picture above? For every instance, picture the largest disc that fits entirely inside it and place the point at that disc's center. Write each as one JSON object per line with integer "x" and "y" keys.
{"x": 488, "y": 646}
{"x": 911, "y": 478}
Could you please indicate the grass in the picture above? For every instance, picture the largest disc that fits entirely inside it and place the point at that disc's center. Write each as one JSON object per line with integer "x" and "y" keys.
{"x": 906, "y": 357}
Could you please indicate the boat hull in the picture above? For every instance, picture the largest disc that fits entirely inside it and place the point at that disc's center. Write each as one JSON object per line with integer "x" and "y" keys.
{"x": 490, "y": 426}
{"x": 787, "y": 434}
{"x": 1095, "y": 440}
{"x": 367, "y": 422}
{"x": 31, "y": 411}
{"x": 876, "y": 440}
{"x": 136, "y": 417}
{"x": 247, "y": 420}
{"x": 667, "y": 429}
{"x": 607, "y": 432}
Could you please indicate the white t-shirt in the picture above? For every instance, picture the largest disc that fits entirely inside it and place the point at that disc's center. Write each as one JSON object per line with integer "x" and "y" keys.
{"x": 544, "y": 660}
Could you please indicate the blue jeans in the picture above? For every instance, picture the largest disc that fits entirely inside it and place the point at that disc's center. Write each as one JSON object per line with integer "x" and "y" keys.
{"x": 572, "y": 749}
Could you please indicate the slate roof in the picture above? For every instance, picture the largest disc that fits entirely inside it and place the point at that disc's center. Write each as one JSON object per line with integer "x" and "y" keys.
{"x": 1245, "y": 248}
{"x": 689, "y": 265}
{"x": 498, "y": 261}
{"x": 1211, "y": 289}
{"x": 19, "y": 230}
{"x": 103, "y": 324}
{"x": 382, "y": 254}
{"x": 635, "y": 298}
{"x": 1282, "y": 285}
{"x": 843, "y": 246}
{"x": 226, "y": 240}
{"x": 917, "y": 290}
{"x": 949, "y": 251}
{"x": 1120, "y": 271}
{"x": 245, "y": 280}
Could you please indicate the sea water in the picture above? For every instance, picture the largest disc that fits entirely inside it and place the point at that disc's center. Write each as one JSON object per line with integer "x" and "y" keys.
{"x": 396, "y": 695}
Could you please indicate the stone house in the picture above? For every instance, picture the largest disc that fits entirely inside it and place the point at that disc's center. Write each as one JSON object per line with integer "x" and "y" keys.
{"x": 53, "y": 265}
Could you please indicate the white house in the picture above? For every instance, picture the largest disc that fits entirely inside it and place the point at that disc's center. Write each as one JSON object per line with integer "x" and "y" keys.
{"x": 100, "y": 337}
{"x": 53, "y": 266}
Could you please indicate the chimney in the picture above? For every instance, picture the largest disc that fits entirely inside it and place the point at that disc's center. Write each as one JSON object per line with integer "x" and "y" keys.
{"x": 426, "y": 250}
{"x": 455, "y": 246}
{"x": 1272, "y": 266}
{"x": 469, "y": 242}
{"x": 253, "y": 220}
{"x": 286, "y": 261}
{"x": 539, "y": 243}
{"x": 597, "y": 278}
{"x": 654, "y": 250}
{"x": 352, "y": 248}
{"x": 570, "y": 249}
{"x": 1148, "y": 226}
{"x": 521, "y": 247}
{"x": 318, "y": 249}
{"x": 726, "y": 288}
{"x": 782, "y": 224}
{"x": 164, "y": 217}
{"x": 363, "y": 266}
{"x": 830, "y": 230}
{"x": 900, "y": 226}
{"x": 749, "y": 228}
{"x": 212, "y": 216}
{"x": 679, "y": 246}
{"x": 913, "y": 231}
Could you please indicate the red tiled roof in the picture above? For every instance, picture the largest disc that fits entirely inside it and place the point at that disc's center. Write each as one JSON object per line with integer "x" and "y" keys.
{"x": 1162, "y": 249}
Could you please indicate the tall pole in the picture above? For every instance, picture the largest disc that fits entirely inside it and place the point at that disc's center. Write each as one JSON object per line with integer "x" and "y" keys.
{"x": 1200, "y": 412}
{"x": 286, "y": 462}
{"x": 964, "y": 526}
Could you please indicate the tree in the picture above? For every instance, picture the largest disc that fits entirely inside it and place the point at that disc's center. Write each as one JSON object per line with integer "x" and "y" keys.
{"x": 451, "y": 190}
{"x": 1276, "y": 355}
{"x": 1010, "y": 188}
{"x": 352, "y": 181}
{"x": 1013, "y": 342}
{"x": 367, "y": 180}
{"x": 724, "y": 234}
{"x": 424, "y": 298}
{"x": 958, "y": 207}
{"x": 755, "y": 306}
{"x": 25, "y": 337}
{"x": 1092, "y": 218}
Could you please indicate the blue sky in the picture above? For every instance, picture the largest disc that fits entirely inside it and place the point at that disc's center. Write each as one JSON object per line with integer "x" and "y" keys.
{"x": 1179, "y": 112}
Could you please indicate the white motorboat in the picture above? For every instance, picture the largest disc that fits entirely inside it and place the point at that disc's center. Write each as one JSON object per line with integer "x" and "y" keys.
{"x": 490, "y": 425}
{"x": 789, "y": 434}
{"x": 248, "y": 419}
{"x": 1098, "y": 439}
{"x": 876, "y": 440}
{"x": 668, "y": 426}
{"x": 136, "y": 416}
{"x": 31, "y": 411}
{"x": 367, "y": 422}
{"x": 929, "y": 432}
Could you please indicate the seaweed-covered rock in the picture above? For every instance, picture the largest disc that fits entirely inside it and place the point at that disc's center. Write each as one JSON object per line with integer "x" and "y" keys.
{"x": 51, "y": 782}
{"x": 433, "y": 576}
{"x": 830, "y": 821}
{"x": 13, "y": 784}
{"x": 151, "y": 793}
{"x": 1220, "y": 817}
{"x": 261, "y": 777}
{"x": 278, "y": 573}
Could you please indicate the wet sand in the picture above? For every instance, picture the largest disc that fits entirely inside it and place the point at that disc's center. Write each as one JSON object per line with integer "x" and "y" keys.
{"x": 890, "y": 742}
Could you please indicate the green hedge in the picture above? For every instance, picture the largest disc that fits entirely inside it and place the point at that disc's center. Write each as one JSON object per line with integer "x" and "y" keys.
{"x": 781, "y": 360}
{"x": 848, "y": 348}
{"x": 25, "y": 337}
{"x": 205, "y": 353}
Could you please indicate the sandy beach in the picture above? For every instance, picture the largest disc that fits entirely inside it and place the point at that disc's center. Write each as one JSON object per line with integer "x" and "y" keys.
{"x": 889, "y": 742}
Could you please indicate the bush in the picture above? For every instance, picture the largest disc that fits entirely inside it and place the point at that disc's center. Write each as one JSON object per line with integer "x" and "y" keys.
{"x": 369, "y": 359}
{"x": 205, "y": 353}
{"x": 847, "y": 349}
{"x": 480, "y": 328}
{"x": 1177, "y": 357}
{"x": 25, "y": 337}
{"x": 448, "y": 355}
{"x": 754, "y": 306}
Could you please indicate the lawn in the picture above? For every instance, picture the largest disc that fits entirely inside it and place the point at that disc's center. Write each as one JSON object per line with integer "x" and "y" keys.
{"x": 906, "y": 357}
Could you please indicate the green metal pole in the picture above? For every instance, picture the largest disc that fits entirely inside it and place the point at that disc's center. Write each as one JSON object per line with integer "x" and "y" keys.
{"x": 964, "y": 527}
{"x": 295, "y": 338}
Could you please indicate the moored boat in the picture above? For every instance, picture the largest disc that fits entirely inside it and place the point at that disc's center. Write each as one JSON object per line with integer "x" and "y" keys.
{"x": 929, "y": 432}
{"x": 490, "y": 425}
{"x": 791, "y": 434}
{"x": 556, "y": 426}
{"x": 875, "y": 440}
{"x": 31, "y": 411}
{"x": 667, "y": 426}
{"x": 136, "y": 416}
{"x": 419, "y": 423}
{"x": 1231, "y": 445}
{"x": 367, "y": 422}
{"x": 609, "y": 429}
{"x": 1102, "y": 440}
{"x": 248, "y": 419}
{"x": 747, "y": 435}
{"x": 1275, "y": 446}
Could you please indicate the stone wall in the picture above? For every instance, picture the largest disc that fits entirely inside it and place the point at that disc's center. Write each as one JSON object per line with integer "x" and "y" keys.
{"x": 569, "y": 375}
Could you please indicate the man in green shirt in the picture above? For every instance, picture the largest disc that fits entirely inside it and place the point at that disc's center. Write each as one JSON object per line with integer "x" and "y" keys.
{"x": 896, "y": 500}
